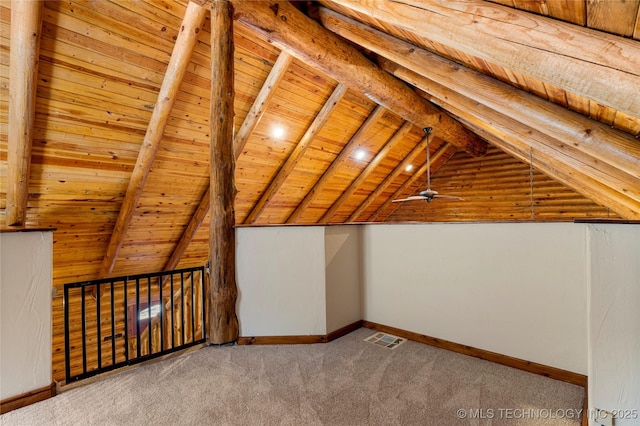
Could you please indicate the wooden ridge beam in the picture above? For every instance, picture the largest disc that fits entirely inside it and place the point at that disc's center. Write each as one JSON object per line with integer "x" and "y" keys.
{"x": 223, "y": 321}
{"x": 337, "y": 163}
{"x": 297, "y": 153}
{"x": 180, "y": 58}
{"x": 289, "y": 29}
{"x": 262, "y": 100}
{"x": 589, "y": 63}
{"x": 597, "y": 161}
{"x": 417, "y": 150}
{"x": 408, "y": 185}
{"x": 391, "y": 143}
{"x": 26, "y": 28}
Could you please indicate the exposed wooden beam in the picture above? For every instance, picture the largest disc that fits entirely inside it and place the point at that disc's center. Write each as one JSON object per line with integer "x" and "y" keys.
{"x": 589, "y": 63}
{"x": 190, "y": 231}
{"x": 223, "y": 322}
{"x": 346, "y": 152}
{"x": 594, "y": 152}
{"x": 180, "y": 58}
{"x": 585, "y": 174}
{"x": 408, "y": 159}
{"x": 26, "y": 27}
{"x": 606, "y": 173}
{"x": 290, "y": 30}
{"x": 248, "y": 126}
{"x": 262, "y": 100}
{"x": 408, "y": 186}
{"x": 297, "y": 153}
{"x": 391, "y": 143}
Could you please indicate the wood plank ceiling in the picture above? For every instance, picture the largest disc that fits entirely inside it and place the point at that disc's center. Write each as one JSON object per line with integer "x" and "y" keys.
{"x": 324, "y": 132}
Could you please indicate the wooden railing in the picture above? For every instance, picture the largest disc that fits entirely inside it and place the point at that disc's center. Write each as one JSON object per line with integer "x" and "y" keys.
{"x": 121, "y": 321}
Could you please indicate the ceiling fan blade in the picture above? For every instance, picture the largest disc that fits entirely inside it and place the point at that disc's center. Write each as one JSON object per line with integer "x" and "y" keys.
{"x": 449, "y": 197}
{"x": 412, "y": 198}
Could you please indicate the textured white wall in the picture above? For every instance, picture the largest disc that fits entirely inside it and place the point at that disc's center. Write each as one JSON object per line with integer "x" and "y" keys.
{"x": 614, "y": 320}
{"x": 25, "y": 311}
{"x": 281, "y": 281}
{"x": 515, "y": 289}
{"x": 343, "y": 284}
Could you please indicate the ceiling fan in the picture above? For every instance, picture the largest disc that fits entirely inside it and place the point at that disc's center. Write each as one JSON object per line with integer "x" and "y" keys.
{"x": 429, "y": 194}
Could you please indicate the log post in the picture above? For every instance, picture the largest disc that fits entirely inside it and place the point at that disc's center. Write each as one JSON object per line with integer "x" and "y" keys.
{"x": 26, "y": 25}
{"x": 223, "y": 323}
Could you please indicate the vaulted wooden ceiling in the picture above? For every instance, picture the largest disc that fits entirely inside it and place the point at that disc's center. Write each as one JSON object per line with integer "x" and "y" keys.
{"x": 535, "y": 109}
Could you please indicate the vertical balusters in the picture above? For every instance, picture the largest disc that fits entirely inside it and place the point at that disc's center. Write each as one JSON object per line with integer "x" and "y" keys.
{"x": 99, "y": 331}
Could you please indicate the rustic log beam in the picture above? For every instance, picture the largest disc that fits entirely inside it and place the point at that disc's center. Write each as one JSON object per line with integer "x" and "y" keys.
{"x": 190, "y": 231}
{"x": 223, "y": 322}
{"x": 180, "y": 58}
{"x": 554, "y": 158}
{"x": 610, "y": 180}
{"x": 262, "y": 100}
{"x": 26, "y": 19}
{"x": 346, "y": 152}
{"x": 393, "y": 141}
{"x": 598, "y": 66}
{"x": 592, "y": 149}
{"x": 407, "y": 187}
{"x": 297, "y": 153}
{"x": 402, "y": 166}
{"x": 289, "y": 29}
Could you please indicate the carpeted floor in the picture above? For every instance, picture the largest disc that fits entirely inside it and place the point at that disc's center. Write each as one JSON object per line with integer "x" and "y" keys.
{"x": 345, "y": 382}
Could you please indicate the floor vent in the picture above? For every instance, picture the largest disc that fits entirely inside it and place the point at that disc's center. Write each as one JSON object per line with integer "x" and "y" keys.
{"x": 387, "y": 340}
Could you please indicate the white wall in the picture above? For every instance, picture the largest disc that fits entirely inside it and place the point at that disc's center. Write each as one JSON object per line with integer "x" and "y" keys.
{"x": 281, "y": 281}
{"x": 614, "y": 319}
{"x": 515, "y": 289}
{"x": 25, "y": 314}
{"x": 343, "y": 284}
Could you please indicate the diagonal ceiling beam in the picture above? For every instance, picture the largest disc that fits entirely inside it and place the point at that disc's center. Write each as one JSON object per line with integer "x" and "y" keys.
{"x": 408, "y": 185}
{"x": 262, "y": 100}
{"x": 289, "y": 29}
{"x": 393, "y": 141}
{"x": 593, "y": 159}
{"x": 297, "y": 153}
{"x": 586, "y": 174}
{"x": 402, "y": 166}
{"x": 190, "y": 231}
{"x": 346, "y": 152}
{"x": 592, "y": 64}
{"x": 240, "y": 140}
{"x": 180, "y": 58}
{"x": 26, "y": 19}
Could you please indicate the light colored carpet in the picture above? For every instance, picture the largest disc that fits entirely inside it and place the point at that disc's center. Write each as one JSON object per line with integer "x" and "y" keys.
{"x": 345, "y": 382}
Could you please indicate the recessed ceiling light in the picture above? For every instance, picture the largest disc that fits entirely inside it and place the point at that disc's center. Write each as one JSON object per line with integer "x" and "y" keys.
{"x": 278, "y": 132}
{"x": 409, "y": 168}
{"x": 360, "y": 154}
